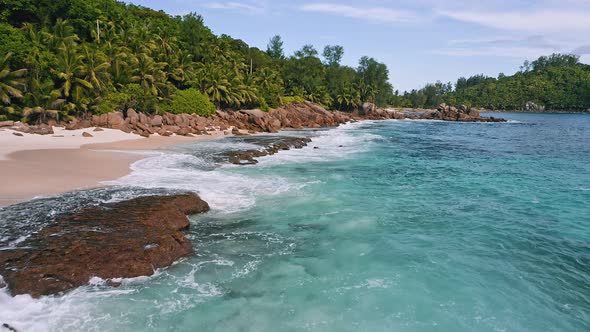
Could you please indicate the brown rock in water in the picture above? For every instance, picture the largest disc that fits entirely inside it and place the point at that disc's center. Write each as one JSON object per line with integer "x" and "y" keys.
{"x": 85, "y": 134}
{"x": 473, "y": 112}
{"x": 17, "y": 134}
{"x": 248, "y": 157}
{"x": 120, "y": 240}
{"x": 98, "y": 129}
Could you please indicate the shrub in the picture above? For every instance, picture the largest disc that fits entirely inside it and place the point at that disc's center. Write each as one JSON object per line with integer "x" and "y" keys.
{"x": 264, "y": 105}
{"x": 115, "y": 101}
{"x": 286, "y": 100}
{"x": 189, "y": 101}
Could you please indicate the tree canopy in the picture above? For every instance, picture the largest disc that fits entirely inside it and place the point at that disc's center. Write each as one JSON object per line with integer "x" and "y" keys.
{"x": 557, "y": 82}
{"x": 66, "y": 58}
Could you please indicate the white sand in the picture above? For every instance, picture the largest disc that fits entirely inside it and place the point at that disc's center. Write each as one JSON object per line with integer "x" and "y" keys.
{"x": 72, "y": 139}
{"x": 43, "y": 165}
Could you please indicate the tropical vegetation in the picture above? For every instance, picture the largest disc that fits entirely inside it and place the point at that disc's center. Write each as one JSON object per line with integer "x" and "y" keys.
{"x": 556, "y": 82}
{"x": 65, "y": 58}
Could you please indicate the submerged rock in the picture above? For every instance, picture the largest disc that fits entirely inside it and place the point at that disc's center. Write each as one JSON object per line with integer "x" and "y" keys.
{"x": 119, "y": 240}
{"x": 248, "y": 157}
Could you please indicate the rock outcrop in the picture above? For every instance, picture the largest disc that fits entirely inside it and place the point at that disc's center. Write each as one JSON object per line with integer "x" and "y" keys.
{"x": 462, "y": 114}
{"x": 292, "y": 116}
{"x": 532, "y": 107}
{"x": 282, "y": 144}
{"x": 119, "y": 240}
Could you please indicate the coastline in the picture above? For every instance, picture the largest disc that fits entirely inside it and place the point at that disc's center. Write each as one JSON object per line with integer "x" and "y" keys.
{"x": 82, "y": 154}
{"x": 35, "y": 166}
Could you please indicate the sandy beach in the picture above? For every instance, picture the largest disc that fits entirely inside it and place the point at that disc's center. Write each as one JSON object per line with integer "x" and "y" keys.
{"x": 36, "y": 166}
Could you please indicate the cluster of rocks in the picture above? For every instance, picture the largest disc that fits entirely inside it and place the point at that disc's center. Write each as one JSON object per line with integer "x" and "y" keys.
{"x": 532, "y": 107}
{"x": 461, "y": 114}
{"x": 292, "y": 116}
{"x": 248, "y": 157}
{"x": 41, "y": 129}
{"x": 120, "y": 240}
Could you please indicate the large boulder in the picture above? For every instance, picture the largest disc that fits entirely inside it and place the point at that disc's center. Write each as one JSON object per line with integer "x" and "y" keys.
{"x": 367, "y": 109}
{"x": 255, "y": 113}
{"x": 532, "y": 107}
{"x": 169, "y": 119}
{"x": 157, "y": 121}
{"x": 132, "y": 116}
{"x": 41, "y": 129}
{"x": 473, "y": 112}
{"x": 442, "y": 107}
{"x": 118, "y": 240}
{"x": 115, "y": 120}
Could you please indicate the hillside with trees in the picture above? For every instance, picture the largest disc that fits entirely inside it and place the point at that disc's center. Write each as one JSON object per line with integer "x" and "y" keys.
{"x": 66, "y": 58}
{"x": 558, "y": 82}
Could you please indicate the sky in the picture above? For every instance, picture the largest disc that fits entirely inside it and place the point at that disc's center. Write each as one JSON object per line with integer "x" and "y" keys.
{"x": 421, "y": 41}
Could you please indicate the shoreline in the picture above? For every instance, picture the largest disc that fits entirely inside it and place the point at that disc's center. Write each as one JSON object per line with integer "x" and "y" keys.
{"x": 66, "y": 159}
{"x": 35, "y": 166}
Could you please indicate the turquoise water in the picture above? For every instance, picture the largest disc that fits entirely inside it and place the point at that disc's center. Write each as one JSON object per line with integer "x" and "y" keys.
{"x": 388, "y": 226}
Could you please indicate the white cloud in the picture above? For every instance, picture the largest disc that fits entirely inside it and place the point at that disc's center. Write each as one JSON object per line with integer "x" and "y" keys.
{"x": 250, "y": 8}
{"x": 535, "y": 41}
{"x": 494, "y": 51}
{"x": 539, "y": 21}
{"x": 374, "y": 14}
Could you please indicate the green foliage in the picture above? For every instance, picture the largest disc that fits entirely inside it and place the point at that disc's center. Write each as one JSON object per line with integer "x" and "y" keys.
{"x": 264, "y": 105}
{"x": 333, "y": 55}
{"x": 373, "y": 82}
{"x": 286, "y": 100}
{"x": 189, "y": 101}
{"x": 558, "y": 82}
{"x": 275, "y": 48}
{"x": 11, "y": 81}
{"x": 13, "y": 40}
{"x": 77, "y": 57}
{"x": 115, "y": 101}
{"x": 136, "y": 97}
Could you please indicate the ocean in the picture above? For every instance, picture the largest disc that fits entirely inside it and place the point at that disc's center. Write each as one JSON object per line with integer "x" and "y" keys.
{"x": 387, "y": 226}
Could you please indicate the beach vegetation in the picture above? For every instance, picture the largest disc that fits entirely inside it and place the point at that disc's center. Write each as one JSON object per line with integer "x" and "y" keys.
{"x": 104, "y": 55}
{"x": 189, "y": 101}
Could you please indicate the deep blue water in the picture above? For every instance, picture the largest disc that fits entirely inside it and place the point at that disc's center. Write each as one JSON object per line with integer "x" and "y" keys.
{"x": 388, "y": 226}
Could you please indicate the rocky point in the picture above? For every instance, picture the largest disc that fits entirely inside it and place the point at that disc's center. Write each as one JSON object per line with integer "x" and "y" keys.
{"x": 119, "y": 240}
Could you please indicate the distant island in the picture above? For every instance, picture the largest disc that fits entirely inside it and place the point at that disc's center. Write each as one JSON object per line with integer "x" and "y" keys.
{"x": 63, "y": 60}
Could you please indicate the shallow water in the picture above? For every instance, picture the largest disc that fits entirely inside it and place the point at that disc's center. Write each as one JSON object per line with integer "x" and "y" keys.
{"x": 388, "y": 226}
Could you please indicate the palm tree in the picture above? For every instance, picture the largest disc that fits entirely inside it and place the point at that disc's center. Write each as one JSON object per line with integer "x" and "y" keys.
{"x": 215, "y": 85}
{"x": 62, "y": 34}
{"x": 347, "y": 98}
{"x": 118, "y": 57}
{"x": 71, "y": 71}
{"x": 149, "y": 73}
{"x": 35, "y": 57}
{"x": 96, "y": 66}
{"x": 10, "y": 81}
{"x": 46, "y": 101}
{"x": 183, "y": 69}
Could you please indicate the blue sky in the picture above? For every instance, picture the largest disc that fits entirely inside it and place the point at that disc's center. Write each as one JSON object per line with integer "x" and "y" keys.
{"x": 421, "y": 41}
